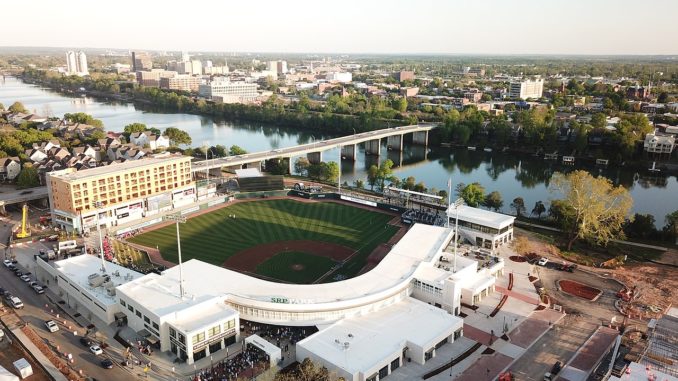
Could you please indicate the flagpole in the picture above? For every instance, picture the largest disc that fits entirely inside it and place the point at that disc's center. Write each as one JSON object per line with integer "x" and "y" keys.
{"x": 449, "y": 198}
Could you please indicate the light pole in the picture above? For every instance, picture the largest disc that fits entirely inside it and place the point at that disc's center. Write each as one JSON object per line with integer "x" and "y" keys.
{"x": 178, "y": 218}
{"x": 459, "y": 202}
{"x": 339, "y": 178}
{"x": 97, "y": 206}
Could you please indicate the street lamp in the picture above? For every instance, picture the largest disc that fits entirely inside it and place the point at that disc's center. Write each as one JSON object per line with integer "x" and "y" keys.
{"x": 178, "y": 218}
{"x": 97, "y": 206}
{"x": 459, "y": 202}
{"x": 339, "y": 178}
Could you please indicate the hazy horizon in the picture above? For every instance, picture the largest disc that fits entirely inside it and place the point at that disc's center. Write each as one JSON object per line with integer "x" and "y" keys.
{"x": 428, "y": 27}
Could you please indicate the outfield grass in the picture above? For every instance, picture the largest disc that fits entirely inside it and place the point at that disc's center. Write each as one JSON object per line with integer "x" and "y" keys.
{"x": 280, "y": 267}
{"x": 214, "y": 237}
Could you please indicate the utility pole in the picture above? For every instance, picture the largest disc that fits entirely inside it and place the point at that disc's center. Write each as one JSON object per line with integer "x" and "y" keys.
{"x": 459, "y": 202}
{"x": 178, "y": 219}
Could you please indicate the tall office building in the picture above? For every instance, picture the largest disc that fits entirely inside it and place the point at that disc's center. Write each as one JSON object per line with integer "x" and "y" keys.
{"x": 527, "y": 89}
{"x": 76, "y": 63}
{"x": 141, "y": 61}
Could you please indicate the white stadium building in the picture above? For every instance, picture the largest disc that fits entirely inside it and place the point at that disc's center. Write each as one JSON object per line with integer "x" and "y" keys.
{"x": 369, "y": 325}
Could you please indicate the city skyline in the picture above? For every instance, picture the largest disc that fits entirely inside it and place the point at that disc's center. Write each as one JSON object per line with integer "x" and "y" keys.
{"x": 518, "y": 27}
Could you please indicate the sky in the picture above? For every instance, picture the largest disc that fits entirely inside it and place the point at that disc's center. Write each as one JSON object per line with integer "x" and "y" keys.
{"x": 348, "y": 26}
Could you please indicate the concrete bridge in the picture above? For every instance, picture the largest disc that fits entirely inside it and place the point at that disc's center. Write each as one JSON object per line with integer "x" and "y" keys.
{"x": 313, "y": 151}
{"x": 19, "y": 196}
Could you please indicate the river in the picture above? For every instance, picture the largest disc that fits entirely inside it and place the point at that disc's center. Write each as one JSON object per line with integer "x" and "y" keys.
{"x": 512, "y": 176}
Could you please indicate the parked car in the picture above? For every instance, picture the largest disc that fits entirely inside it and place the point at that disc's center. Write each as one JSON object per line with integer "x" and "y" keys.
{"x": 51, "y": 326}
{"x": 7, "y": 263}
{"x": 11, "y": 267}
{"x": 107, "y": 364}
{"x": 26, "y": 278}
{"x": 86, "y": 342}
{"x": 96, "y": 350}
{"x": 16, "y": 302}
{"x": 38, "y": 289}
{"x": 18, "y": 273}
{"x": 543, "y": 261}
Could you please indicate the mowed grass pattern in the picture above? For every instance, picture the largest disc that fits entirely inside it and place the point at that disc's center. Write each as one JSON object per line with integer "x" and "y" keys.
{"x": 213, "y": 237}
{"x": 280, "y": 267}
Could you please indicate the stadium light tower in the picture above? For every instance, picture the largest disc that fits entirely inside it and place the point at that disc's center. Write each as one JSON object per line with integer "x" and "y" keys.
{"x": 178, "y": 219}
{"x": 459, "y": 202}
{"x": 97, "y": 207}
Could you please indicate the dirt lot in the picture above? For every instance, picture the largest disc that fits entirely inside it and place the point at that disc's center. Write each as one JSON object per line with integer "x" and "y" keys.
{"x": 658, "y": 284}
{"x": 12, "y": 352}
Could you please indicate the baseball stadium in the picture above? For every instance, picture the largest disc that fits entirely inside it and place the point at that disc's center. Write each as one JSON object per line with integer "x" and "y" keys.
{"x": 282, "y": 239}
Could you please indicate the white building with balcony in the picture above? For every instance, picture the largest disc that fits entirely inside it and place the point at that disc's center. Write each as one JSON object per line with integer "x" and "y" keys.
{"x": 482, "y": 228}
{"x": 659, "y": 143}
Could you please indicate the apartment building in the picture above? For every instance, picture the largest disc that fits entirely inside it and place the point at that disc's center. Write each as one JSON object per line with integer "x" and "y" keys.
{"x": 659, "y": 143}
{"x": 152, "y": 77}
{"x": 526, "y": 89}
{"x": 125, "y": 191}
{"x": 141, "y": 61}
{"x": 182, "y": 82}
{"x": 229, "y": 92}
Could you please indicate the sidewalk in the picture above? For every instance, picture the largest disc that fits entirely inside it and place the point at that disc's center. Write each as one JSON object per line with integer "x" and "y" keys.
{"x": 32, "y": 349}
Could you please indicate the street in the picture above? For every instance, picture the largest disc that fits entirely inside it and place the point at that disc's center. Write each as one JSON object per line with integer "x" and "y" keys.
{"x": 35, "y": 314}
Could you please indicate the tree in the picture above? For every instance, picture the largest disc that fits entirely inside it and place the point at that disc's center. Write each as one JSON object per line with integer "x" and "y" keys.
{"x": 81, "y": 117}
{"x": 518, "y": 205}
{"x": 306, "y": 371}
{"x": 599, "y": 120}
{"x": 385, "y": 173}
{"x": 360, "y": 184}
{"x": 595, "y": 210}
{"x": 494, "y": 201}
{"x": 400, "y": 104}
{"x": 372, "y": 174}
{"x": 236, "y": 150}
{"x": 301, "y": 166}
{"x": 420, "y": 187}
{"x": 409, "y": 183}
{"x": 332, "y": 171}
{"x": 473, "y": 194}
{"x": 177, "y": 136}
{"x": 671, "y": 227}
{"x": 220, "y": 150}
{"x": 640, "y": 226}
{"x": 663, "y": 97}
{"x": 28, "y": 177}
{"x": 538, "y": 209}
{"x": 134, "y": 127}
{"x": 17, "y": 107}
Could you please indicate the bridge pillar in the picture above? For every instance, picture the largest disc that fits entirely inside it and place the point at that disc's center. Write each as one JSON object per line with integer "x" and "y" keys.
{"x": 420, "y": 137}
{"x": 395, "y": 142}
{"x": 373, "y": 147}
{"x": 348, "y": 152}
{"x": 215, "y": 172}
{"x": 315, "y": 157}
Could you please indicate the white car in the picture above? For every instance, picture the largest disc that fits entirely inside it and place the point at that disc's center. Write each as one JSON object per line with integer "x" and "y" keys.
{"x": 96, "y": 350}
{"x": 51, "y": 326}
{"x": 16, "y": 302}
{"x": 38, "y": 289}
{"x": 6, "y": 262}
{"x": 543, "y": 261}
{"x": 26, "y": 278}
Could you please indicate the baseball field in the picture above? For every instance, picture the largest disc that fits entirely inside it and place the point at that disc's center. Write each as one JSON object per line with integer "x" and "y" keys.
{"x": 282, "y": 239}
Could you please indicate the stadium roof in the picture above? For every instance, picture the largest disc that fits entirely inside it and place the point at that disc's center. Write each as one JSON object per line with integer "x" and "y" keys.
{"x": 481, "y": 217}
{"x": 364, "y": 341}
{"x": 203, "y": 281}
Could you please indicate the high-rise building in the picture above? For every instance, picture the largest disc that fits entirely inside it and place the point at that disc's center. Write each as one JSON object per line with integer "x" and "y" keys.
{"x": 152, "y": 77}
{"x": 404, "y": 76}
{"x": 76, "y": 63}
{"x": 279, "y": 67}
{"x": 141, "y": 61}
{"x": 527, "y": 89}
{"x": 71, "y": 62}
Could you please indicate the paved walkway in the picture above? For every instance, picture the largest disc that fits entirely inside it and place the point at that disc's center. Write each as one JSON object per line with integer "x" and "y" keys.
{"x": 518, "y": 295}
{"x": 28, "y": 344}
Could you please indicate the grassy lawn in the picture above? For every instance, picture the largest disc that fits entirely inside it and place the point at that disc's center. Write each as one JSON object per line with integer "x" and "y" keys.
{"x": 213, "y": 237}
{"x": 280, "y": 267}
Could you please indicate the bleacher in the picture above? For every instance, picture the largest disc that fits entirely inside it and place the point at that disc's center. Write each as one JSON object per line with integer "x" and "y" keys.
{"x": 423, "y": 217}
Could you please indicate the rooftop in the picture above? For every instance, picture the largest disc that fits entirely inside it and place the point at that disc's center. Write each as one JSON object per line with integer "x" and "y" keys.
{"x": 128, "y": 165}
{"x": 77, "y": 270}
{"x": 481, "y": 216}
{"x": 203, "y": 281}
{"x": 363, "y": 341}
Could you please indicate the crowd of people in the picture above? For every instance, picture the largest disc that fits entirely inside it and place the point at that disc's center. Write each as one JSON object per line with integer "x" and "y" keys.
{"x": 429, "y": 217}
{"x": 247, "y": 364}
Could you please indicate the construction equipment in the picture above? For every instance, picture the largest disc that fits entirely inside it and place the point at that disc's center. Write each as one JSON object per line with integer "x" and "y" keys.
{"x": 23, "y": 233}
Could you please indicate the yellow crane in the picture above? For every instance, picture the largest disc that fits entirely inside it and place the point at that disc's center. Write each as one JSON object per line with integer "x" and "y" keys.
{"x": 24, "y": 218}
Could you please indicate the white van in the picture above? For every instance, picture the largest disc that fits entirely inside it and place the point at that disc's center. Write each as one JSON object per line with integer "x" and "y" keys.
{"x": 16, "y": 302}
